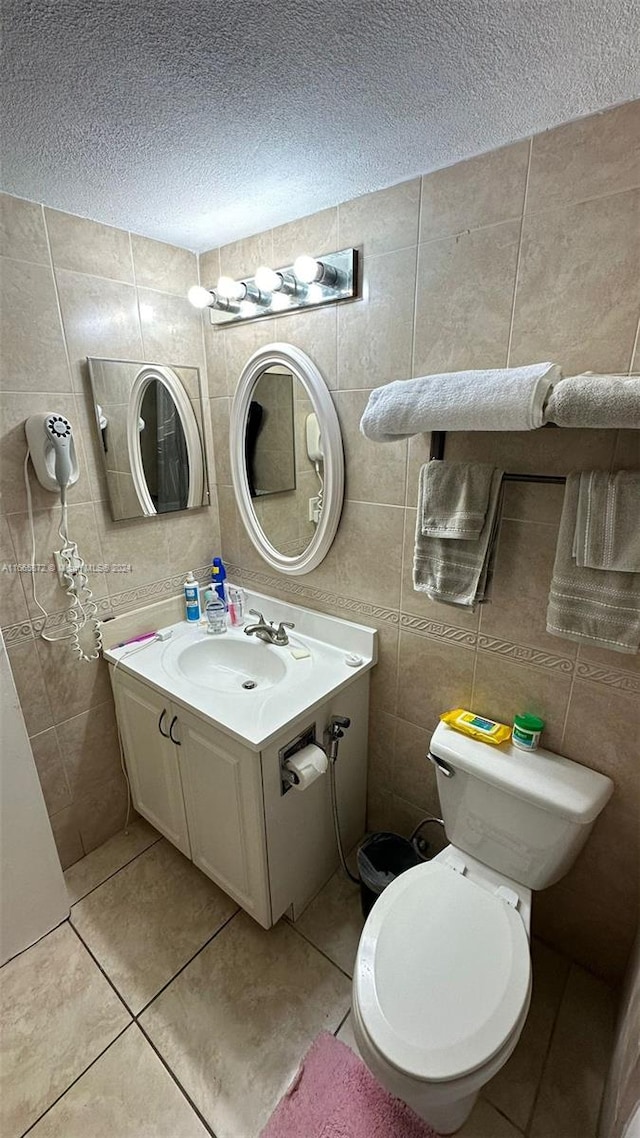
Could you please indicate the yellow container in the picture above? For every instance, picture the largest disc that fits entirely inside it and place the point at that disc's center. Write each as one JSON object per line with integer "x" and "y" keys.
{"x": 486, "y": 730}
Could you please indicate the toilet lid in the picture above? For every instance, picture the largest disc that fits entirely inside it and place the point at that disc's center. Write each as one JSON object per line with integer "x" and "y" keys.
{"x": 443, "y": 973}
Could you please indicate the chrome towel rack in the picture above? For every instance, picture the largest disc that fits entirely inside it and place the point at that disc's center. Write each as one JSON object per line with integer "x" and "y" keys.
{"x": 438, "y": 440}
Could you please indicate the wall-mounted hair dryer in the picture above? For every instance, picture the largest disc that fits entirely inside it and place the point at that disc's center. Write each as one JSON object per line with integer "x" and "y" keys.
{"x": 316, "y": 456}
{"x": 314, "y": 438}
{"x": 52, "y": 450}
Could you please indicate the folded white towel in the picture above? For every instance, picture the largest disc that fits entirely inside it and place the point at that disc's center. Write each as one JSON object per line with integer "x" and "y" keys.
{"x": 504, "y": 399}
{"x": 591, "y": 400}
{"x": 591, "y": 606}
{"x": 453, "y": 498}
{"x": 607, "y": 534}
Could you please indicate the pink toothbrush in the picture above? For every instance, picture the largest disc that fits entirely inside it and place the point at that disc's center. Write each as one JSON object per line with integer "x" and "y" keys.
{"x": 136, "y": 639}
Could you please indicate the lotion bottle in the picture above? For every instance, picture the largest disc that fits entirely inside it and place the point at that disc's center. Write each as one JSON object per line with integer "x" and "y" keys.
{"x": 191, "y": 598}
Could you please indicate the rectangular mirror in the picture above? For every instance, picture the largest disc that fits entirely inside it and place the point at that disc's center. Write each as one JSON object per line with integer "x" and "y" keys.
{"x": 149, "y": 419}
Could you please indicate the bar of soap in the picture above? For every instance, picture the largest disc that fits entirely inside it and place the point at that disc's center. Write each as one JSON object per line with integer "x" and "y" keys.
{"x": 299, "y": 653}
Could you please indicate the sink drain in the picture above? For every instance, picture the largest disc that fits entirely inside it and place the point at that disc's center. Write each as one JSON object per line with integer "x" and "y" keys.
{"x": 249, "y": 684}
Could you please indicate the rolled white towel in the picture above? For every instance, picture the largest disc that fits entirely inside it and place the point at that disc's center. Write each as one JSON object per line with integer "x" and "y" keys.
{"x": 503, "y": 399}
{"x": 590, "y": 400}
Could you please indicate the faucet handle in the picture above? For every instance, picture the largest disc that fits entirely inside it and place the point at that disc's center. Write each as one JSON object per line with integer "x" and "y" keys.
{"x": 254, "y": 612}
{"x": 285, "y": 624}
{"x": 281, "y": 636}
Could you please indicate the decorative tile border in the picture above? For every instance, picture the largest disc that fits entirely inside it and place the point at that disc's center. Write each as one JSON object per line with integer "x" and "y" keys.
{"x": 599, "y": 674}
{"x": 294, "y": 587}
{"x": 155, "y": 590}
{"x": 523, "y": 654}
{"x": 17, "y": 633}
{"x": 107, "y": 606}
{"x": 436, "y": 630}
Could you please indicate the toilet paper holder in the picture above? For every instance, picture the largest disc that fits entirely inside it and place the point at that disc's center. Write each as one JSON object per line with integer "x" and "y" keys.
{"x": 289, "y": 778}
{"x": 333, "y": 733}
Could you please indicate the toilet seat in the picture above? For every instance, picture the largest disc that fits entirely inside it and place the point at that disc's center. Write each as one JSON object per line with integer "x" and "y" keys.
{"x": 443, "y": 974}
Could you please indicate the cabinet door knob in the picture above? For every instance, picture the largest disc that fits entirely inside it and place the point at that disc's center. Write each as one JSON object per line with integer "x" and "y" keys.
{"x": 171, "y": 736}
{"x": 163, "y": 733}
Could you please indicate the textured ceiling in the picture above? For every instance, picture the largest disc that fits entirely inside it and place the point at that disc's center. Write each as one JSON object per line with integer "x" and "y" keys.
{"x": 203, "y": 121}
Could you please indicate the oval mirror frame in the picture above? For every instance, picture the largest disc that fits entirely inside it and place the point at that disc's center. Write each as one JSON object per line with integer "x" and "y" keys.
{"x": 166, "y": 376}
{"x": 303, "y": 369}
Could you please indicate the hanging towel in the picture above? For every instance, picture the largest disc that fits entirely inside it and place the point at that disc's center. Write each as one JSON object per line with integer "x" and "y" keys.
{"x": 453, "y": 498}
{"x": 592, "y": 606}
{"x": 505, "y": 399}
{"x": 458, "y": 571}
{"x": 590, "y": 400}
{"x": 607, "y": 532}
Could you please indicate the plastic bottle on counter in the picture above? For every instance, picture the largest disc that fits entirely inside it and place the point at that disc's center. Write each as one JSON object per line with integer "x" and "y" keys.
{"x": 218, "y": 577}
{"x": 191, "y": 598}
{"x": 215, "y": 613}
{"x": 526, "y": 732}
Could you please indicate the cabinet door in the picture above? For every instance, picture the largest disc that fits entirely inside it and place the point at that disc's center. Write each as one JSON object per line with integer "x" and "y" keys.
{"x": 223, "y": 798}
{"x": 152, "y": 763}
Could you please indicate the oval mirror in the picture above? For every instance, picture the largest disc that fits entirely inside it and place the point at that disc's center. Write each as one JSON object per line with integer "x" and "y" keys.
{"x": 150, "y": 424}
{"x": 163, "y": 443}
{"x": 287, "y": 462}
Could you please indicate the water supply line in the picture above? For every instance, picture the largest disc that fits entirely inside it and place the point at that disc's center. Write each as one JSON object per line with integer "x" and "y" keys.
{"x": 338, "y": 724}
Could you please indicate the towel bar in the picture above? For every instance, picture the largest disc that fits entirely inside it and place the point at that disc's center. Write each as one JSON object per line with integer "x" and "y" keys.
{"x": 438, "y": 439}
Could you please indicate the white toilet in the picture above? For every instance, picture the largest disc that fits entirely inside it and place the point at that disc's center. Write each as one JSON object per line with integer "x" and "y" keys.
{"x": 442, "y": 979}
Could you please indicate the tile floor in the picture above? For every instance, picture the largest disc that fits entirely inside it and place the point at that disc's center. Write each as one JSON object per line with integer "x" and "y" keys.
{"x": 160, "y": 1010}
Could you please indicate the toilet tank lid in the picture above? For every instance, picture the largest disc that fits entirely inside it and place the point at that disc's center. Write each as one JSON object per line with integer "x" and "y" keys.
{"x": 549, "y": 781}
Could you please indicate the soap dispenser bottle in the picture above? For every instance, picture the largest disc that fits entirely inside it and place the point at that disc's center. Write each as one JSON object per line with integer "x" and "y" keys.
{"x": 191, "y": 598}
{"x": 215, "y": 613}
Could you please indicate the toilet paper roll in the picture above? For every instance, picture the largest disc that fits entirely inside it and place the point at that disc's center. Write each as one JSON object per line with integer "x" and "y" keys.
{"x": 309, "y": 764}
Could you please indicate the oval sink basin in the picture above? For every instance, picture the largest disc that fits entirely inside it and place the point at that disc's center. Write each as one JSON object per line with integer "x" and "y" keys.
{"x": 227, "y": 665}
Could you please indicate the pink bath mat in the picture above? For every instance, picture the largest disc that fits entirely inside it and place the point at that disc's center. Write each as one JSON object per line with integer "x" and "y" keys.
{"x": 335, "y": 1096}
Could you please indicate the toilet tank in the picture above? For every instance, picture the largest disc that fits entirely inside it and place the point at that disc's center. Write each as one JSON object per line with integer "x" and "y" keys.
{"x": 526, "y": 815}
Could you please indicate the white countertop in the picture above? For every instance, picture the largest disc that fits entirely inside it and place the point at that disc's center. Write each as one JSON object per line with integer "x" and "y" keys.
{"x": 254, "y": 717}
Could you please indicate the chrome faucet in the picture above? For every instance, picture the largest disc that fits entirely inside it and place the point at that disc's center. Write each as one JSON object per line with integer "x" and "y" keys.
{"x": 268, "y": 632}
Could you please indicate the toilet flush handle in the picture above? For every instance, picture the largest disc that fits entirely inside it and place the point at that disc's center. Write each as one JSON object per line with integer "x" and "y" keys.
{"x": 443, "y": 767}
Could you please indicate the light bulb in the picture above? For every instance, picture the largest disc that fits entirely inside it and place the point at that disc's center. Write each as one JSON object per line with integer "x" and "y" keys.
{"x": 267, "y": 279}
{"x": 307, "y": 269}
{"x": 280, "y": 301}
{"x": 200, "y": 297}
{"x": 231, "y": 289}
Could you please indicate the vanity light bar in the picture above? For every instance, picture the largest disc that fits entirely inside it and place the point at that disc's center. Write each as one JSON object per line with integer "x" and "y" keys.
{"x": 309, "y": 283}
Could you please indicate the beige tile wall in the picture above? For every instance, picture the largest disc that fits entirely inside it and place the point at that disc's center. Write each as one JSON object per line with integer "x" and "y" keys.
{"x": 72, "y": 288}
{"x": 529, "y": 253}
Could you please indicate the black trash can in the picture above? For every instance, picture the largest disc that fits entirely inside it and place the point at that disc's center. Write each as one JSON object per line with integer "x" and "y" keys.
{"x": 382, "y": 858}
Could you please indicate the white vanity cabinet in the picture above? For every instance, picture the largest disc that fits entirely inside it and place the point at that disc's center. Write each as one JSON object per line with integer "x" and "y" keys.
{"x": 199, "y": 788}
{"x": 222, "y": 788}
{"x": 208, "y": 726}
{"x": 144, "y": 718}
